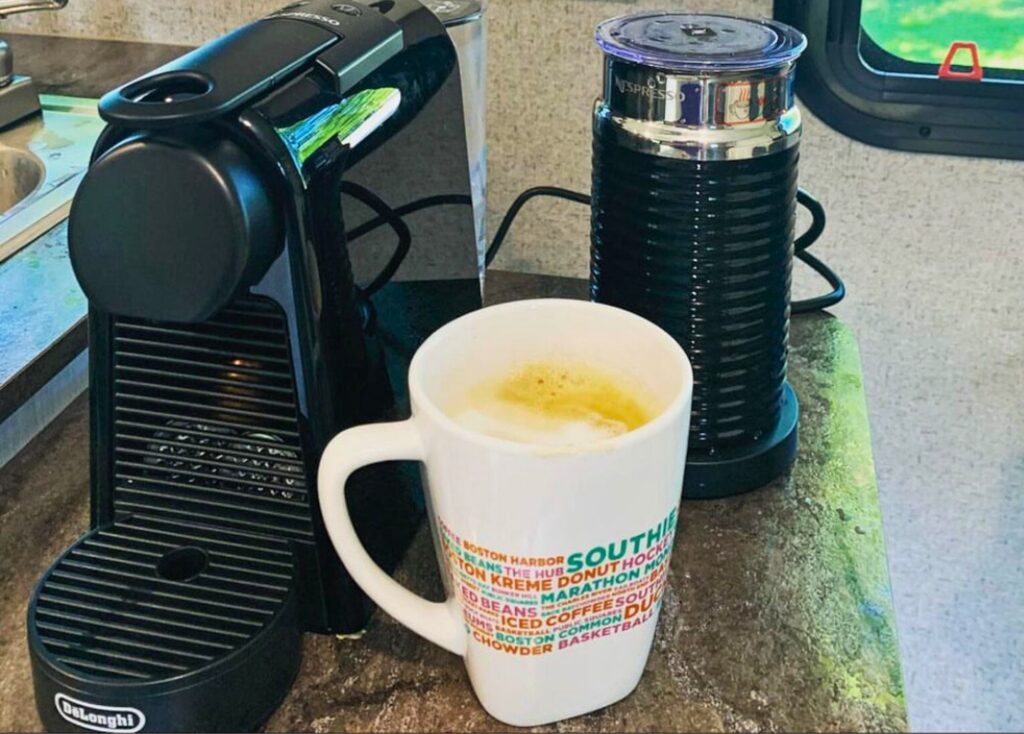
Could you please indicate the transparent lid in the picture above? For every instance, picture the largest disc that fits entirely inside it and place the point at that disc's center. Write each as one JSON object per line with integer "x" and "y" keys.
{"x": 699, "y": 41}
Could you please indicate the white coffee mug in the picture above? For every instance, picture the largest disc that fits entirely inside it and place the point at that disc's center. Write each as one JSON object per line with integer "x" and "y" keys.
{"x": 554, "y": 559}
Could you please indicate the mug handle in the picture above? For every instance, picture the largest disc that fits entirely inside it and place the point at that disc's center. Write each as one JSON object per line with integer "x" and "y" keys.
{"x": 439, "y": 622}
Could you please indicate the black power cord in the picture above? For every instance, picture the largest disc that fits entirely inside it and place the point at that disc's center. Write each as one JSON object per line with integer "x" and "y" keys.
{"x": 389, "y": 216}
{"x": 414, "y": 206}
{"x": 385, "y": 215}
{"x": 510, "y": 215}
{"x": 800, "y": 246}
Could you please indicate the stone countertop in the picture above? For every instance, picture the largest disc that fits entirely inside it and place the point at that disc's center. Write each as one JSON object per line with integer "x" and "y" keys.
{"x": 778, "y": 614}
{"x": 83, "y": 67}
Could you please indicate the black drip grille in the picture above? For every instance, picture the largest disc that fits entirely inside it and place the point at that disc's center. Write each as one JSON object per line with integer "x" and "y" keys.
{"x": 206, "y": 426}
{"x": 108, "y": 610}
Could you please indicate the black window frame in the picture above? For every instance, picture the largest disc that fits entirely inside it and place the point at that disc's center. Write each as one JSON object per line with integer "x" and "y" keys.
{"x": 906, "y": 110}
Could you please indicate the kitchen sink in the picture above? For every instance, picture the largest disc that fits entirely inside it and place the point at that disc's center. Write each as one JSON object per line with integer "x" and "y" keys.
{"x": 42, "y": 161}
{"x": 21, "y": 173}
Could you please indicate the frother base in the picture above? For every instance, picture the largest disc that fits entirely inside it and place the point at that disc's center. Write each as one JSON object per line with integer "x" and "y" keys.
{"x": 746, "y": 468}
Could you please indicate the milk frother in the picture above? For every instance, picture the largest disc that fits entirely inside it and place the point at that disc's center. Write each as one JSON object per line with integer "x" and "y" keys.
{"x": 696, "y": 144}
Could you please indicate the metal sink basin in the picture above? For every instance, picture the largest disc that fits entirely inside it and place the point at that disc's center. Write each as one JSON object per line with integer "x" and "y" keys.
{"x": 20, "y": 175}
{"x": 42, "y": 161}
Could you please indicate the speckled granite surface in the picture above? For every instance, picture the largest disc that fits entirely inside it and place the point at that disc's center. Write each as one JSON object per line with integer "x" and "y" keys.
{"x": 84, "y": 68}
{"x": 30, "y": 324}
{"x": 778, "y": 615}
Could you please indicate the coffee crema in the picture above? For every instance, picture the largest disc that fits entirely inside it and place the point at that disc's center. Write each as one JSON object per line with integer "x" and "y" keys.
{"x": 564, "y": 402}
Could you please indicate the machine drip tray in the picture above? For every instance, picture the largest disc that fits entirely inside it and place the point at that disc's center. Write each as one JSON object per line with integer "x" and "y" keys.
{"x": 152, "y": 625}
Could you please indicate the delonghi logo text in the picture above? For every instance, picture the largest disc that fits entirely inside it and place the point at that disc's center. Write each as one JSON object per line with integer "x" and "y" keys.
{"x": 652, "y": 90}
{"x": 308, "y": 16}
{"x": 107, "y": 719}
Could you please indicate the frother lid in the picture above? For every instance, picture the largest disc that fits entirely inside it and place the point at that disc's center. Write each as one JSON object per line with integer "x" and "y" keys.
{"x": 700, "y": 42}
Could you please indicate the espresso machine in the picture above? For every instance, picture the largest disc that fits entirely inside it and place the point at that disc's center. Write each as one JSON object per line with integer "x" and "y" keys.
{"x": 269, "y": 227}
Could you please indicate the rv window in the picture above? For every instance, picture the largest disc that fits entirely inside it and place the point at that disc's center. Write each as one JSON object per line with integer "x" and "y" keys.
{"x": 940, "y": 76}
{"x": 918, "y": 35}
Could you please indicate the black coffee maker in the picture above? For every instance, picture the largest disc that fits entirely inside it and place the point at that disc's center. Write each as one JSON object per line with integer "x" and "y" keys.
{"x": 269, "y": 227}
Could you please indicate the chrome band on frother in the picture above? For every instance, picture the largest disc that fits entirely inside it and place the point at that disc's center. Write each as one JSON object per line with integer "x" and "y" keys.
{"x": 729, "y": 104}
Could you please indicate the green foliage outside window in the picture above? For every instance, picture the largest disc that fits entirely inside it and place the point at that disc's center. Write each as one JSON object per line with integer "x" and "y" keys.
{"x": 922, "y": 30}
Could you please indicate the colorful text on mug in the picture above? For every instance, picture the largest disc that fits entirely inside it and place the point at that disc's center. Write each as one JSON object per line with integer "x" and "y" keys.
{"x": 526, "y": 605}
